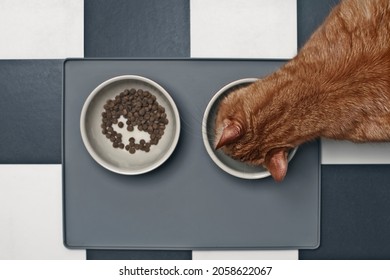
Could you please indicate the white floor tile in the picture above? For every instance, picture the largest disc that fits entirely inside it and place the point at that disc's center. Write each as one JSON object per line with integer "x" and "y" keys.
{"x": 41, "y": 29}
{"x": 243, "y": 28}
{"x": 31, "y": 213}
{"x": 246, "y": 255}
{"x": 343, "y": 152}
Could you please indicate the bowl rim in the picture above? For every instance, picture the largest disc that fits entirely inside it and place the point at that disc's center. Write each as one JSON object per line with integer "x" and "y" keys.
{"x": 210, "y": 150}
{"x": 91, "y": 150}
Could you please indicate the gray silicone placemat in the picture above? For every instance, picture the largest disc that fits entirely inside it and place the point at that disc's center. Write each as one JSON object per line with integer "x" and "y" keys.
{"x": 188, "y": 202}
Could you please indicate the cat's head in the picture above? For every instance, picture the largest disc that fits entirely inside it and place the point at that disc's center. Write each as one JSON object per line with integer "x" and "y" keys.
{"x": 248, "y": 129}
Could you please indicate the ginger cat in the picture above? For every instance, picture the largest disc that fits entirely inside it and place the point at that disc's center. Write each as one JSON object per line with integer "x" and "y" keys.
{"x": 338, "y": 87}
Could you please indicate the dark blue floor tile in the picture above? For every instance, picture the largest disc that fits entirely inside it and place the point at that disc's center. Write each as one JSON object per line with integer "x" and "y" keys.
{"x": 30, "y": 111}
{"x": 355, "y": 222}
{"x": 310, "y": 15}
{"x": 138, "y": 255}
{"x": 136, "y": 28}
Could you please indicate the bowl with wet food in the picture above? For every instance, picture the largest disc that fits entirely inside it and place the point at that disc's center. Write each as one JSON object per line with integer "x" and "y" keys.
{"x": 130, "y": 124}
{"x": 231, "y": 166}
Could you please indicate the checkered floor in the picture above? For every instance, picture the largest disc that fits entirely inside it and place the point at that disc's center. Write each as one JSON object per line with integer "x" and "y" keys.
{"x": 37, "y": 35}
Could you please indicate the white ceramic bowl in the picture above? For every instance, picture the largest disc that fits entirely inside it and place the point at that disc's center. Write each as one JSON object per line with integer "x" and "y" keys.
{"x": 226, "y": 163}
{"x": 120, "y": 160}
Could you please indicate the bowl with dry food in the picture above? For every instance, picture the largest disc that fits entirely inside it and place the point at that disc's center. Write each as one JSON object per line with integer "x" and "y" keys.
{"x": 130, "y": 124}
{"x": 232, "y": 166}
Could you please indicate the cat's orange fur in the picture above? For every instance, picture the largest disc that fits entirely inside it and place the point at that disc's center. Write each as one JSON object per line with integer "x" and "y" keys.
{"x": 338, "y": 86}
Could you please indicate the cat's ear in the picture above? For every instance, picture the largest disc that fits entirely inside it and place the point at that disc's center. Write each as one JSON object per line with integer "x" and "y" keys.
{"x": 276, "y": 162}
{"x": 232, "y": 131}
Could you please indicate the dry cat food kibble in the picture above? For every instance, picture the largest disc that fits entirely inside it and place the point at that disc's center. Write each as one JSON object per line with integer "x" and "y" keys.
{"x": 142, "y": 111}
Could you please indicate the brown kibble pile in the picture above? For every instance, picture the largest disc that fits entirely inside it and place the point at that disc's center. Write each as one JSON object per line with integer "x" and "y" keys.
{"x": 142, "y": 111}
